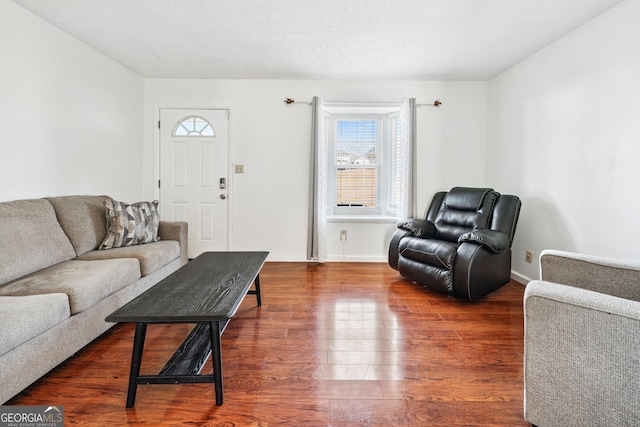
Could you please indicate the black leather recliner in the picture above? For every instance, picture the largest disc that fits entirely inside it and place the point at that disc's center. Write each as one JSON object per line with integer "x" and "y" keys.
{"x": 463, "y": 246}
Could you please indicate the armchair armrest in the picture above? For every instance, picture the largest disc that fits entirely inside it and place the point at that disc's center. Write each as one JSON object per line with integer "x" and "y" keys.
{"x": 176, "y": 230}
{"x": 599, "y": 274}
{"x": 495, "y": 241}
{"x": 581, "y": 357}
{"x": 418, "y": 227}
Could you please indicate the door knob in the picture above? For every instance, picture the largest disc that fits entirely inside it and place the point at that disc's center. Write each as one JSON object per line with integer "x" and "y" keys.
{"x": 223, "y": 196}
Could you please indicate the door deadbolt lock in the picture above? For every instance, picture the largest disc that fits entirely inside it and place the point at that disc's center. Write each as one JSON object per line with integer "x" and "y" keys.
{"x": 223, "y": 183}
{"x": 223, "y": 196}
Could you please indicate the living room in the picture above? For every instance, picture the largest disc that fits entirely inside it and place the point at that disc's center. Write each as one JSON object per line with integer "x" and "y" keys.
{"x": 558, "y": 129}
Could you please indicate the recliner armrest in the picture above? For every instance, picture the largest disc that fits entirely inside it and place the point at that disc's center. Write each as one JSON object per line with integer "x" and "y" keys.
{"x": 418, "y": 227}
{"x": 495, "y": 241}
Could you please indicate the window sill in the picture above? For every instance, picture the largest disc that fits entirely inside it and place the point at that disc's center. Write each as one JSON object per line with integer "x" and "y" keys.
{"x": 363, "y": 218}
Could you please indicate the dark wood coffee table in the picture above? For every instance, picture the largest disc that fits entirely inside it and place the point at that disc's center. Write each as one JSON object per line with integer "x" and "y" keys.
{"x": 206, "y": 291}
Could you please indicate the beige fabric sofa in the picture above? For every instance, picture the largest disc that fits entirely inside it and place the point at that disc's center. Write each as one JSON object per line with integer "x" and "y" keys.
{"x": 56, "y": 288}
{"x": 582, "y": 342}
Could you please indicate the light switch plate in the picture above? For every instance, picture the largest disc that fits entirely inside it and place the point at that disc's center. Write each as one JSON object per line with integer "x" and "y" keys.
{"x": 239, "y": 168}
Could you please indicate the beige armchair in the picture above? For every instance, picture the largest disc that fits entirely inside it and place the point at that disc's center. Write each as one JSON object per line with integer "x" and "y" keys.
{"x": 582, "y": 342}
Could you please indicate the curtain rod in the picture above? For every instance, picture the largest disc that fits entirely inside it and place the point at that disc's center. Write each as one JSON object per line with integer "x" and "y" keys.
{"x": 288, "y": 101}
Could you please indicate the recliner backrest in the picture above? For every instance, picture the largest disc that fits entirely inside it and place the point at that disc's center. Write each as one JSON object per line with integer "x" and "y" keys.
{"x": 505, "y": 215}
{"x": 461, "y": 210}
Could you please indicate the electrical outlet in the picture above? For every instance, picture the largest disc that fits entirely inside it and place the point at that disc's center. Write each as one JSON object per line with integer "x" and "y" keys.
{"x": 343, "y": 236}
{"x": 239, "y": 168}
{"x": 528, "y": 256}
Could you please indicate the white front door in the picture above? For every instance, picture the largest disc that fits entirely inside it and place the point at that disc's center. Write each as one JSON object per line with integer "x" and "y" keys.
{"x": 193, "y": 175}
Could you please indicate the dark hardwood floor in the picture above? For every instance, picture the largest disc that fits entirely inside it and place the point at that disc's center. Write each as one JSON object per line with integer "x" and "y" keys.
{"x": 338, "y": 344}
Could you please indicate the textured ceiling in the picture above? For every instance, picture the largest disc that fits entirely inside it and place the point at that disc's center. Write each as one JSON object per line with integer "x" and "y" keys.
{"x": 321, "y": 39}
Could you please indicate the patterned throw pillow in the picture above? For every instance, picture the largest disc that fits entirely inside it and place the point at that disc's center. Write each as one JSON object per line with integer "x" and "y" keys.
{"x": 129, "y": 225}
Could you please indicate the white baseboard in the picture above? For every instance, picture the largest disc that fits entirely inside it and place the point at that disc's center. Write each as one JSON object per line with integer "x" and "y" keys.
{"x": 338, "y": 258}
{"x": 287, "y": 258}
{"x": 334, "y": 258}
{"x": 520, "y": 278}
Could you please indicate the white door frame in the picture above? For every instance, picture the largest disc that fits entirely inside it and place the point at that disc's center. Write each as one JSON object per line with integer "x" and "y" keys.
{"x": 156, "y": 158}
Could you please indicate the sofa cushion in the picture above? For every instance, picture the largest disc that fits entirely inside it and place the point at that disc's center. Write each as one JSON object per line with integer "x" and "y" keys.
{"x": 30, "y": 238}
{"x": 28, "y": 316}
{"x": 84, "y": 282}
{"x": 129, "y": 225}
{"x": 152, "y": 256}
{"x": 83, "y": 220}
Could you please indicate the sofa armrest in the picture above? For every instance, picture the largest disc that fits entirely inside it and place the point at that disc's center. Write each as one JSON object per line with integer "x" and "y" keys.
{"x": 176, "y": 230}
{"x": 495, "y": 241}
{"x": 418, "y": 227}
{"x": 581, "y": 357}
{"x": 599, "y": 274}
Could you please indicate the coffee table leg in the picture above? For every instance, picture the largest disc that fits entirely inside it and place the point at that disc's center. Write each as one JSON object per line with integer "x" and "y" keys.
{"x": 136, "y": 359}
{"x": 257, "y": 285}
{"x": 216, "y": 358}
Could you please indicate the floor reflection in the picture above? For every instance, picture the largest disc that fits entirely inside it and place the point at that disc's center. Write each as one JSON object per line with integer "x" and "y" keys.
{"x": 361, "y": 336}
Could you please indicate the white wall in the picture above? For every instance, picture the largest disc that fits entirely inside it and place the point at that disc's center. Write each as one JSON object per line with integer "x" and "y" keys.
{"x": 71, "y": 118}
{"x": 269, "y": 202}
{"x": 564, "y": 135}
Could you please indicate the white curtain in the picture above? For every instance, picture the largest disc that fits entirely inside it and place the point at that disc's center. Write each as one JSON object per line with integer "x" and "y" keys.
{"x": 317, "y": 237}
{"x": 407, "y": 204}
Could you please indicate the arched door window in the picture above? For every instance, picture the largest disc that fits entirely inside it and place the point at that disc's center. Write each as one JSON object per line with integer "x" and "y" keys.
{"x": 193, "y": 126}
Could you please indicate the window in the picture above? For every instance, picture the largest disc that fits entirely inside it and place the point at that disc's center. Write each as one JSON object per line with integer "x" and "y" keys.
{"x": 363, "y": 166}
{"x": 193, "y": 126}
{"x": 357, "y": 169}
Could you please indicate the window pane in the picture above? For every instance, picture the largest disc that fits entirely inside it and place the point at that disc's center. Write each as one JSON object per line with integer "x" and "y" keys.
{"x": 207, "y": 130}
{"x": 193, "y": 126}
{"x": 357, "y": 145}
{"x": 357, "y": 186}
{"x": 357, "y": 142}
